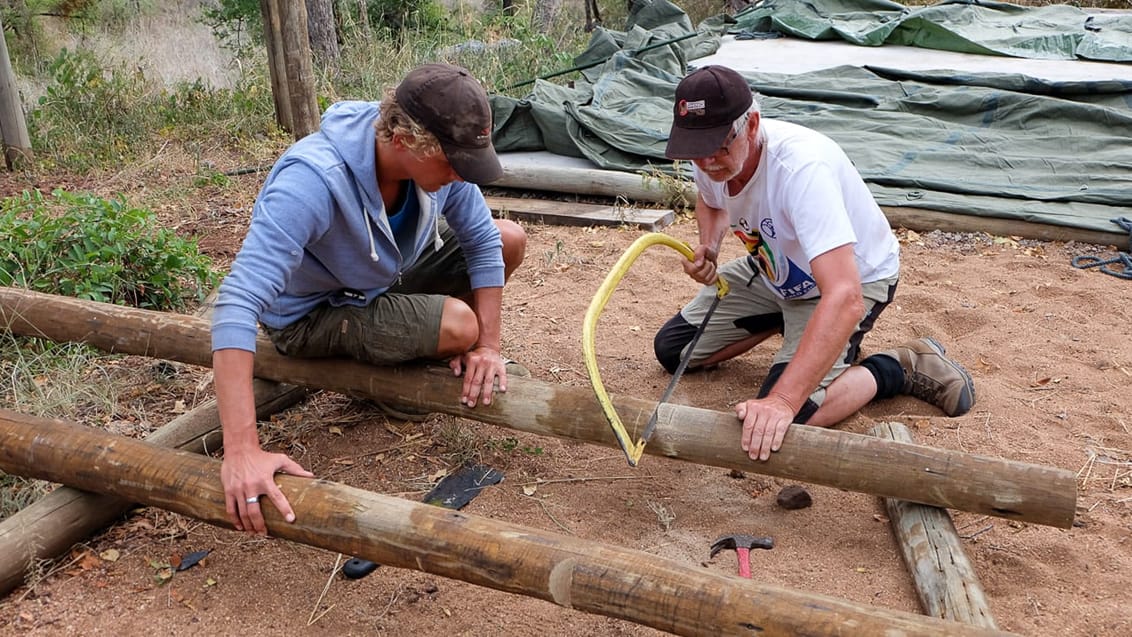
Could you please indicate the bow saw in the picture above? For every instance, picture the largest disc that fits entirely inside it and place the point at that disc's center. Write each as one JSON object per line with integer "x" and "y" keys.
{"x": 634, "y": 449}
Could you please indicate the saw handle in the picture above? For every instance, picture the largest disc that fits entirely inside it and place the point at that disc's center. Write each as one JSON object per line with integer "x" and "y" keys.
{"x": 633, "y": 450}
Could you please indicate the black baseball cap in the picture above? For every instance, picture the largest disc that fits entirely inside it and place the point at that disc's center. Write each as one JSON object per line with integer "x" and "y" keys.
{"x": 452, "y": 105}
{"x": 708, "y": 101}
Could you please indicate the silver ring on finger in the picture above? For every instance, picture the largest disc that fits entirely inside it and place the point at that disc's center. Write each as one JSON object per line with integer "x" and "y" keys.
{"x": 254, "y": 500}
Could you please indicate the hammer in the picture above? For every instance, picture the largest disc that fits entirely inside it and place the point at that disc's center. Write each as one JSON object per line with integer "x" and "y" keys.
{"x": 742, "y": 545}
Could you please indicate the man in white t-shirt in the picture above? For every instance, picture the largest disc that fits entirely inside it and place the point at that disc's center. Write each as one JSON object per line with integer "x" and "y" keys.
{"x": 822, "y": 264}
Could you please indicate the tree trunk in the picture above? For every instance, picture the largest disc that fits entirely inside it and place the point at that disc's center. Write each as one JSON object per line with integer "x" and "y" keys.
{"x": 322, "y": 31}
{"x": 273, "y": 39}
{"x": 570, "y": 572}
{"x": 13, "y": 126}
{"x": 300, "y": 68}
{"x": 938, "y": 477}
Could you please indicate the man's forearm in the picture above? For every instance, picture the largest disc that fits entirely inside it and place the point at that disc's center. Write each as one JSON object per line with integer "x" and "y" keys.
{"x": 823, "y": 341}
{"x": 232, "y": 377}
{"x": 488, "y": 310}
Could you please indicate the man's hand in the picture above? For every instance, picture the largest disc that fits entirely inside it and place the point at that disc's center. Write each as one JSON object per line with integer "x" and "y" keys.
{"x": 765, "y": 422}
{"x": 481, "y": 367}
{"x": 702, "y": 267}
{"x": 247, "y": 476}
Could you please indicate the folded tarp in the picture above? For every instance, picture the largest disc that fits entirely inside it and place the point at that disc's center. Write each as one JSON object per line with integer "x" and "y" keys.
{"x": 996, "y": 145}
{"x": 1055, "y": 32}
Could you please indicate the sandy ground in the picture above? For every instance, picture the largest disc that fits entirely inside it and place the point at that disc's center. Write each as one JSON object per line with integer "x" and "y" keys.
{"x": 1048, "y": 346}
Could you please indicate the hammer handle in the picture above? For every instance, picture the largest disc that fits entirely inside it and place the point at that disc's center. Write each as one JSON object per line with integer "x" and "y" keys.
{"x": 744, "y": 562}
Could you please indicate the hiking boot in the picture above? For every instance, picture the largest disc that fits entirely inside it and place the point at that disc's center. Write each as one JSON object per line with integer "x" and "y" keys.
{"x": 398, "y": 413}
{"x": 933, "y": 377}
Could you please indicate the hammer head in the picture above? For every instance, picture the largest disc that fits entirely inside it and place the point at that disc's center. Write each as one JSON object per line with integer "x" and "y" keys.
{"x": 738, "y": 541}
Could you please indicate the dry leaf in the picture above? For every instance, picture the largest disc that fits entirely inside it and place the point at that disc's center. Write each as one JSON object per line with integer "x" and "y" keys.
{"x": 337, "y": 431}
{"x": 529, "y": 489}
{"x": 89, "y": 561}
{"x": 110, "y": 555}
{"x": 179, "y": 407}
{"x": 1039, "y": 383}
{"x": 440, "y": 473}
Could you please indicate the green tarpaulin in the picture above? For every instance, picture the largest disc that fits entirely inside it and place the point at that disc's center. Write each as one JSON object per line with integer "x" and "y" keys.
{"x": 994, "y": 145}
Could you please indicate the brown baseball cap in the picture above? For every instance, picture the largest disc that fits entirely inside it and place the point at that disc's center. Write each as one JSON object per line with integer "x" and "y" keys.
{"x": 708, "y": 101}
{"x": 452, "y": 105}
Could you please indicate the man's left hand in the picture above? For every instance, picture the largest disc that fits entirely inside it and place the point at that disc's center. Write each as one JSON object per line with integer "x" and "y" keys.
{"x": 481, "y": 367}
{"x": 765, "y": 422}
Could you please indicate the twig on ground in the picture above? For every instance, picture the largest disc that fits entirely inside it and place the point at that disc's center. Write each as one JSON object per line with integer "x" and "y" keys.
{"x": 334, "y": 571}
{"x": 592, "y": 479}
{"x": 1087, "y": 469}
{"x": 976, "y": 534}
{"x": 392, "y": 600}
{"x": 974, "y": 522}
{"x": 551, "y": 515}
{"x": 663, "y": 515}
{"x": 347, "y": 461}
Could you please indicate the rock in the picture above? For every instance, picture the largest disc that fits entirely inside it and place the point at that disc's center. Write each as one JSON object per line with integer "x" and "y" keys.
{"x": 794, "y": 497}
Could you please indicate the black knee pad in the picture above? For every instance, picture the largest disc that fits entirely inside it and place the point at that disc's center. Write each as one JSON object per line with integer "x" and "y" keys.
{"x": 887, "y": 373}
{"x": 670, "y": 341}
{"x": 809, "y": 408}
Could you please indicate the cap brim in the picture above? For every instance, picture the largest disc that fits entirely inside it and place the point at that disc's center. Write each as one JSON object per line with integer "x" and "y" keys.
{"x": 695, "y": 143}
{"x": 474, "y": 165}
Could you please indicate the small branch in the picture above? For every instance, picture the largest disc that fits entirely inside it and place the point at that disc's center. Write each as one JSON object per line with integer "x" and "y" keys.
{"x": 977, "y": 533}
{"x": 334, "y": 571}
{"x": 551, "y": 516}
{"x": 594, "y": 479}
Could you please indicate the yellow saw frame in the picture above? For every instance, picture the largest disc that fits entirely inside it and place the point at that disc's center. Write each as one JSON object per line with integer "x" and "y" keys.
{"x": 633, "y": 449}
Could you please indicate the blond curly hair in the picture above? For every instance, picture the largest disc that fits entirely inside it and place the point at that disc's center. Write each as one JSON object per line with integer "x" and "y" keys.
{"x": 395, "y": 121}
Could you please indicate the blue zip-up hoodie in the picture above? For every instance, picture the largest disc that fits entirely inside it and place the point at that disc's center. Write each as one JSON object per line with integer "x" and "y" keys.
{"x": 319, "y": 227}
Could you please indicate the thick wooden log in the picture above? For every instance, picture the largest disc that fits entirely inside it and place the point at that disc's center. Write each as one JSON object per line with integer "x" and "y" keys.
{"x": 937, "y": 477}
{"x": 543, "y": 171}
{"x": 51, "y": 525}
{"x": 944, "y": 578}
{"x": 572, "y": 572}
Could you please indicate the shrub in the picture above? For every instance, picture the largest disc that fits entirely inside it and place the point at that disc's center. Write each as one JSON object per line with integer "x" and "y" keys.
{"x": 98, "y": 249}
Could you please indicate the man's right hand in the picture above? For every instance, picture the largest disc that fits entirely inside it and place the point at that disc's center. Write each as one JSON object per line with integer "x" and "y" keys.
{"x": 247, "y": 476}
{"x": 702, "y": 266}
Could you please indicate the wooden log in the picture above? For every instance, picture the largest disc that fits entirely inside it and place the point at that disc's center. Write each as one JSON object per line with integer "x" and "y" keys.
{"x": 51, "y": 525}
{"x": 534, "y": 171}
{"x": 944, "y": 578}
{"x": 938, "y": 477}
{"x": 571, "y": 213}
{"x": 575, "y": 573}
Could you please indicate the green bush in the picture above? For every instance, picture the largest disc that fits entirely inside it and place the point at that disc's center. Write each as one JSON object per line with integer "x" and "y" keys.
{"x": 98, "y": 249}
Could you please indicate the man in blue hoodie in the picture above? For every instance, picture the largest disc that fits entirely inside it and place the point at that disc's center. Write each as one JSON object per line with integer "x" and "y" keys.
{"x": 368, "y": 240}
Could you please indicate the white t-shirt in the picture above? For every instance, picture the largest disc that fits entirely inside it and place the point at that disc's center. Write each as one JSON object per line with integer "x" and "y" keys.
{"x": 805, "y": 199}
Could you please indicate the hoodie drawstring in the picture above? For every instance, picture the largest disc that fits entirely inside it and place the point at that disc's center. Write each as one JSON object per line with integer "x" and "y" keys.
{"x": 369, "y": 231}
